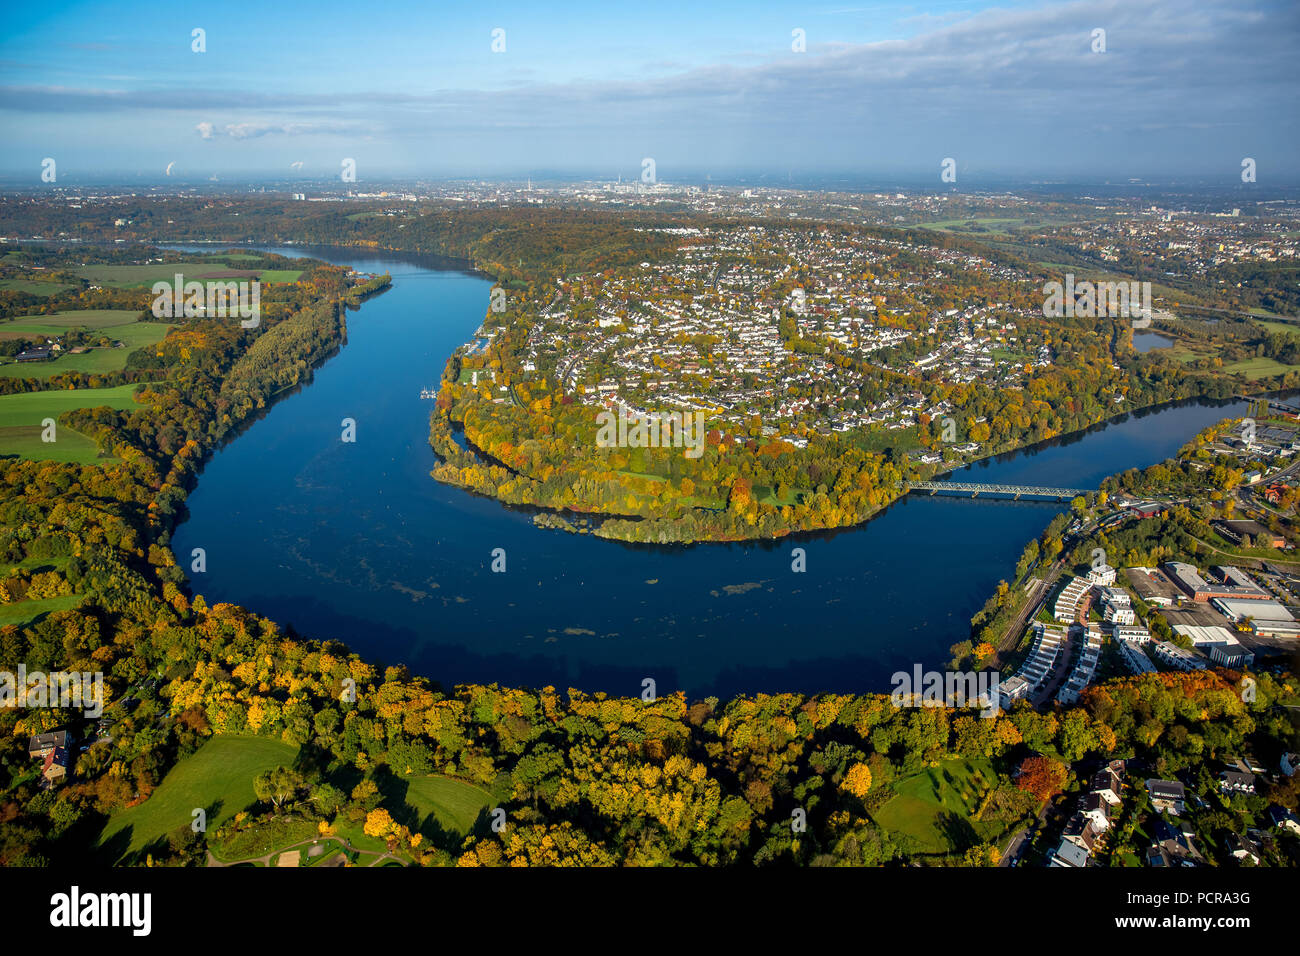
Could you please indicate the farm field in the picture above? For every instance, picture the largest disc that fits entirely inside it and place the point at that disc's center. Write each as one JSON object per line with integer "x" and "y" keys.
{"x": 21, "y": 416}
{"x": 130, "y": 277}
{"x": 218, "y": 778}
{"x": 32, "y": 287}
{"x": 993, "y": 227}
{"x": 24, "y": 441}
{"x": 114, "y": 325}
{"x": 28, "y": 408}
{"x": 59, "y": 322}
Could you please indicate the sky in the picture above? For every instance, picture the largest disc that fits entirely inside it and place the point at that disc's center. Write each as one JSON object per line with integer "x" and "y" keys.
{"x": 1013, "y": 91}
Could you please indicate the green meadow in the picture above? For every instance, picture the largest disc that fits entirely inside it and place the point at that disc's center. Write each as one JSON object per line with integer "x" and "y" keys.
{"x": 933, "y": 811}
{"x": 21, "y": 416}
{"x": 35, "y": 286}
{"x": 26, "y": 612}
{"x": 59, "y": 322}
{"x": 133, "y": 277}
{"x": 218, "y": 778}
{"x": 1290, "y": 328}
{"x": 1259, "y": 367}
{"x": 453, "y": 805}
{"x": 106, "y": 325}
{"x": 29, "y": 408}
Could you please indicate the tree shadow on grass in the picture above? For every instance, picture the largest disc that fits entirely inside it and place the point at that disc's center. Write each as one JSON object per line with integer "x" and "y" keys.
{"x": 958, "y": 831}
{"x": 344, "y": 776}
{"x": 313, "y": 762}
{"x": 164, "y": 847}
{"x": 111, "y": 851}
{"x": 396, "y": 790}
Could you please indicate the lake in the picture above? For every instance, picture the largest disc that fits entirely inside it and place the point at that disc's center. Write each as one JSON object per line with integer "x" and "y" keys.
{"x": 1146, "y": 341}
{"x": 358, "y": 543}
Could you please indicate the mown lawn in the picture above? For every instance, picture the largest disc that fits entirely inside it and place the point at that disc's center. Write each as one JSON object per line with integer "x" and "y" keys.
{"x": 280, "y": 275}
{"x": 453, "y": 804}
{"x": 218, "y": 778}
{"x": 1290, "y": 328}
{"x": 931, "y": 810}
{"x": 766, "y": 495}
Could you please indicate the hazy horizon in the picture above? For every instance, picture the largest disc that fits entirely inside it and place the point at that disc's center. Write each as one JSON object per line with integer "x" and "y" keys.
{"x": 1012, "y": 92}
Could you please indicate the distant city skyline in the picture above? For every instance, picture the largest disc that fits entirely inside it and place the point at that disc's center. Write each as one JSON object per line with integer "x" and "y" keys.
{"x": 879, "y": 91}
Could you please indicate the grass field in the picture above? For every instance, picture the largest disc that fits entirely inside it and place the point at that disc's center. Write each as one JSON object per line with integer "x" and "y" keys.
{"x": 931, "y": 810}
{"x": 113, "y": 325}
{"x": 992, "y": 227}
{"x": 766, "y": 495}
{"x": 29, "y": 408}
{"x": 218, "y": 778}
{"x": 1290, "y": 328}
{"x": 21, "y": 416}
{"x": 1259, "y": 368}
{"x": 133, "y": 277}
{"x": 24, "y": 612}
{"x": 1181, "y": 353}
{"x": 34, "y": 565}
{"x": 33, "y": 287}
{"x": 25, "y": 441}
{"x": 453, "y": 804}
{"x": 60, "y": 322}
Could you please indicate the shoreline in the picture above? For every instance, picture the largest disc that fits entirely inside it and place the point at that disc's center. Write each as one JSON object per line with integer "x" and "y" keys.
{"x": 561, "y": 523}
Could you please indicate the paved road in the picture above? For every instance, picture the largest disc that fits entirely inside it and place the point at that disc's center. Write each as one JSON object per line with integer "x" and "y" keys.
{"x": 1017, "y": 844}
{"x": 1059, "y": 671}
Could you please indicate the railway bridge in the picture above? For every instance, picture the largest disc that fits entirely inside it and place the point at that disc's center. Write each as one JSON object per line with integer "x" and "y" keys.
{"x": 967, "y": 489}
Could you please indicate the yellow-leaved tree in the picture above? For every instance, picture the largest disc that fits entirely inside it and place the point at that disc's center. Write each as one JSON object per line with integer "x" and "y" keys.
{"x": 858, "y": 780}
{"x": 378, "y": 823}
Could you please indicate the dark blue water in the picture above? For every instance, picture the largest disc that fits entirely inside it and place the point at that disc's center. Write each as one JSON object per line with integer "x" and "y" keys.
{"x": 356, "y": 542}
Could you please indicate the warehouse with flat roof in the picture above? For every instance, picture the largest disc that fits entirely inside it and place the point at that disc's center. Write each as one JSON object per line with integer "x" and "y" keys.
{"x": 1232, "y": 583}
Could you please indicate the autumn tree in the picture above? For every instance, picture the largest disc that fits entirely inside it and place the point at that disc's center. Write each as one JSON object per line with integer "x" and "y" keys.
{"x": 1042, "y": 776}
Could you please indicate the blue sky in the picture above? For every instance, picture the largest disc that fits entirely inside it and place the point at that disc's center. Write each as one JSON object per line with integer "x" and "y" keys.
{"x": 1183, "y": 89}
